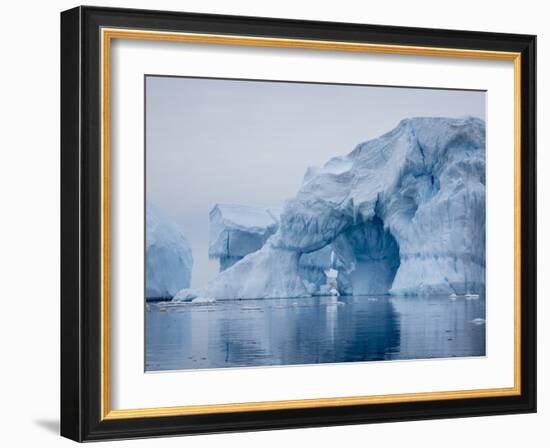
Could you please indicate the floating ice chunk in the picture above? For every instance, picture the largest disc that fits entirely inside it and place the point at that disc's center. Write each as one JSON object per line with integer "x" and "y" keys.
{"x": 202, "y": 301}
{"x": 250, "y": 308}
{"x": 478, "y": 321}
{"x": 186, "y": 295}
{"x": 327, "y": 290}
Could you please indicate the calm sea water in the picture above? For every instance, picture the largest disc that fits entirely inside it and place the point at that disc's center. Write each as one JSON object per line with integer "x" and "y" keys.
{"x": 241, "y": 333}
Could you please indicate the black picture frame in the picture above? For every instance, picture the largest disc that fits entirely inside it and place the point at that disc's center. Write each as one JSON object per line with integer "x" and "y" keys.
{"x": 81, "y": 414}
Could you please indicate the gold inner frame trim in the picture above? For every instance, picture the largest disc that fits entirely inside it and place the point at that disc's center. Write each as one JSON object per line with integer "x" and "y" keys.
{"x": 107, "y": 35}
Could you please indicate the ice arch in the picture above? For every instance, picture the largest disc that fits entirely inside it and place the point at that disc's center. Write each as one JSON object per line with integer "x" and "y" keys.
{"x": 369, "y": 256}
{"x": 417, "y": 191}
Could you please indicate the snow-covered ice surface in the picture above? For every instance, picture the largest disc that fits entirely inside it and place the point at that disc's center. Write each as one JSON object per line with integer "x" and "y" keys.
{"x": 169, "y": 260}
{"x": 404, "y": 214}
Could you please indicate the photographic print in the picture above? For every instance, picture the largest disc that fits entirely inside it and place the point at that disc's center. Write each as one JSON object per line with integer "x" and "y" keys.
{"x": 247, "y": 201}
{"x": 292, "y": 223}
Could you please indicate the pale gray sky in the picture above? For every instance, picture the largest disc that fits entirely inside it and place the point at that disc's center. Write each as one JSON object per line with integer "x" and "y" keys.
{"x": 250, "y": 142}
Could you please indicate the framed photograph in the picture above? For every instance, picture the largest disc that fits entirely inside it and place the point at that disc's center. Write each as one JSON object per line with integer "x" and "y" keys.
{"x": 273, "y": 223}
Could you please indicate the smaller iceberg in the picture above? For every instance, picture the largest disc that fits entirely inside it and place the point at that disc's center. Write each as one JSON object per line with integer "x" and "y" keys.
{"x": 239, "y": 230}
{"x": 168, "y": 257}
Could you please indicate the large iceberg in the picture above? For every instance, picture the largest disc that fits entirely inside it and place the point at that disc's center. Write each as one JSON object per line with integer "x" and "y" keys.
{"x": 168, "y": 257}
{"x": 404, "y": 214}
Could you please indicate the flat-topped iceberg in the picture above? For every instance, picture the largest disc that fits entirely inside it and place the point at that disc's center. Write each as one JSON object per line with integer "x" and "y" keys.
{"x": 169, "y": 260}
{"x": 239, "y": 230}
{"x": 403, "y": 214}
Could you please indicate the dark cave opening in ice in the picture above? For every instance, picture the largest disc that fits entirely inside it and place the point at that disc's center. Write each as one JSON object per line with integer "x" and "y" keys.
{"x": 368, "y": 257}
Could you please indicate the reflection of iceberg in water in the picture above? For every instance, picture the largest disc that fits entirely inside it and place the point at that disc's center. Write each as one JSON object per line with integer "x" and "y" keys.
{"x": 444, "y": 329}
{"x": 273, "y": 332}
